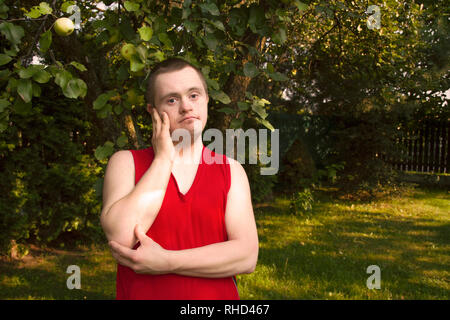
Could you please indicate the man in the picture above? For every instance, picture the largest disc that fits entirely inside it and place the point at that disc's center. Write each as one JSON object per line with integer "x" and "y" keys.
{"x": 179, "y": 227}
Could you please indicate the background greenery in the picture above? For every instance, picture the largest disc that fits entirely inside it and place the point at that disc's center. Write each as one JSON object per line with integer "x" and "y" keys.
{"x": 322, "y": 255}
{"x": 339, "y": 92}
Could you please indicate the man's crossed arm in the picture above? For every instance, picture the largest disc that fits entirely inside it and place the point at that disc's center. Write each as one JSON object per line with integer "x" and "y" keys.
{"x": 237, "y": 255}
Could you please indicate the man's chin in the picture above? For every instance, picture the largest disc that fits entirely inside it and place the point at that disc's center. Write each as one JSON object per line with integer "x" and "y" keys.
{"x": 192, "y": 132}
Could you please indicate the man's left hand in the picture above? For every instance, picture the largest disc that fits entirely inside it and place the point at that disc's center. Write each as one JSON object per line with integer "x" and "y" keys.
{"x": 148, "y": 258}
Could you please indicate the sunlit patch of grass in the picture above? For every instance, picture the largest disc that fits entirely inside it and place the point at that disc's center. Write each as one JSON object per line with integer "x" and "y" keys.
{"x": 325, "y": 255}
{"x": 42, "y": 275}
{"x": 322, "y": 255}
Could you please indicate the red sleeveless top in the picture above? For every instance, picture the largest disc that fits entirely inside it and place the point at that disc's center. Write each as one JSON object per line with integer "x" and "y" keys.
{"x": 184, "y": 221}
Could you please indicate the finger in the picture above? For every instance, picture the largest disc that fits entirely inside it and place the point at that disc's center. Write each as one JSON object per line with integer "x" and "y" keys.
{"x": 152, "y": 113}
{"x": 122, "y": 260}
{"x": 122, "y": 251}
{"x": 157, "y": 122}
{"x": 165, "y": 123}
{"x": 140, "y": 235}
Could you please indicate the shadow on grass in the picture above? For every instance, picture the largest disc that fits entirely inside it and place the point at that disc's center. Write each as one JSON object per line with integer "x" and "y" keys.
{"x": 330, "y": 260}
{"x": 47, "y": 278}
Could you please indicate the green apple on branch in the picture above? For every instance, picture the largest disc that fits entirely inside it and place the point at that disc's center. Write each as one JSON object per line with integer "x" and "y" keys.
{"x": 128, "y": 50}
{"x": 64, "y": 26}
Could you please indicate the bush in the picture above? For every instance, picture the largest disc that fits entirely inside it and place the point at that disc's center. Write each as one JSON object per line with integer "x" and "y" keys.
{"x": 47, "y": 178}
{"x": 301, "y": 202}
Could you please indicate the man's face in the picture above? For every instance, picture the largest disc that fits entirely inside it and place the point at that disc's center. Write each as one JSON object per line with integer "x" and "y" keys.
{"x": 182, "y": 96}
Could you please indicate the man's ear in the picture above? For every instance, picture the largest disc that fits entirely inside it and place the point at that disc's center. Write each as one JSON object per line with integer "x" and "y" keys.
{"x": 149, "y": 108}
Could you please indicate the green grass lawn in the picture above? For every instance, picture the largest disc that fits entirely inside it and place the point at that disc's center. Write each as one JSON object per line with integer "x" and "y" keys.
{"x": 320, "y": 256}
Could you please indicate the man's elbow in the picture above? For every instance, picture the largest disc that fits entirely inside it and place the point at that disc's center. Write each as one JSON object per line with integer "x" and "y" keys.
{"x": 252, "y": 260}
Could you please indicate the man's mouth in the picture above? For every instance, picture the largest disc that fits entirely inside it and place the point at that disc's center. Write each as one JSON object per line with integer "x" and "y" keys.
{"x": 187, "y": 118}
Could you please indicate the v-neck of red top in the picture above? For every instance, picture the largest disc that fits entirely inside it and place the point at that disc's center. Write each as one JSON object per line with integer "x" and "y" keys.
{"x": 188, "y": 194}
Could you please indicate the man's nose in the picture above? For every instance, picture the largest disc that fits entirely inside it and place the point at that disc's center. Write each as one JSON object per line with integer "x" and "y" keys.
{"x": 186, "y": 105}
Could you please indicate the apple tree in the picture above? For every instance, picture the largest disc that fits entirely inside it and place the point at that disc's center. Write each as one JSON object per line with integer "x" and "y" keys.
{"x": 69, "y": 99}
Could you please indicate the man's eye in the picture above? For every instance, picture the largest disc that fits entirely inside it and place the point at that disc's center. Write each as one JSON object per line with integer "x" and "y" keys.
{"x": 194, "y": 95}
{"x": 172, "y": 100}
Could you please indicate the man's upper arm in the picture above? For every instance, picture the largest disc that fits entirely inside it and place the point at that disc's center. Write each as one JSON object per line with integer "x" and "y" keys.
{"x": 119, "y": 178}
{"x": 239, "y": 216}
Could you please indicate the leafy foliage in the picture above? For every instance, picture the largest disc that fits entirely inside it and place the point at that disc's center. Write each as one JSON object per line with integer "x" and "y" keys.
{"x": 355, "y": 87}
{"x": 301, "y": 202}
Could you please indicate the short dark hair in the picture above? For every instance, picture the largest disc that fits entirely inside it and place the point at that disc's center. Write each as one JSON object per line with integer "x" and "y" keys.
{"x": 168, "y": 65}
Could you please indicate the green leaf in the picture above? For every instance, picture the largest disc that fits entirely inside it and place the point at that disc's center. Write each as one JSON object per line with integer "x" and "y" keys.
{"x": 4, "y": 104}
{"x": 122, "y": 141}
{"x": 236, "y": 123}
{"x": 12, "y": 32}
{"x": 27, "y": 72}
{"x": 211, "y": 41}
{"x": 102, "y": 99}
{"x": 265, "y": 123}
{"x": 41, "y": 76}
{"x": 136, "y": 64}
{"x": 218, "y": 24}
{"x": 3, "y": 9}
{"x": 220, "y": 96}
{"x": 259, "y": 109}
{"x": 105, "y": 111}
{"x": 243, "y": 106}
{"x": 25, "y": 89}
{"x": 4, "y": 59}
{"x": 4, "y": 74}
{"x": 118, "y": 109}
{"x": 280, "y": 36}
{"x": 75, "y": 88}
{"x": 62, "y": 78}
{"x": 36, "y": 90}
{"x": 34, "y": 13}
{"x": 65, "y": 6}
{"x": 78, "y": 66}
{"x": 145, "y": 33}
{"x": 277, "y": 76}
{"x": 226, "y": 110}
{"x": 250, "y": 70}
{"x": 190, "y": 26}
{"x": 164, "y": 38}
{"x": 103, "y": 152}
{"x": 142, "y": 52}
{"x": 300, "y": 5}
{"x": 211, "y": 8}
{"x": 45, "y": 40}
{"x": 45, "y": 8}
{"x": 159, "y": 55}
{"x": 131, "y": 6}
{"x": 212, "y": 83}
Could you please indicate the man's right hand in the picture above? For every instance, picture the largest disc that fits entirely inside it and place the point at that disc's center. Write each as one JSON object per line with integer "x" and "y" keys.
{"x": 161, "y": 139}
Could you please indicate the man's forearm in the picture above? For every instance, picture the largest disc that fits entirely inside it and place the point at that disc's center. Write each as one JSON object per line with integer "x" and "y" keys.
{"x": 140, "y": 206}
{"x": 216, "y": 260}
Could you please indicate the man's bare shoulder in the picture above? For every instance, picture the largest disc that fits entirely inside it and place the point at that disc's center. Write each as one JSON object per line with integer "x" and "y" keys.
{"x": 121, "y": 157}
{"x": 236, "y": 169}
{"x": 121, "y": 162}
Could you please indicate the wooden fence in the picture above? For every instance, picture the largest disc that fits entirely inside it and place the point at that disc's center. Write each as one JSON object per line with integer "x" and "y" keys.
{"x": 425, "y": 149}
